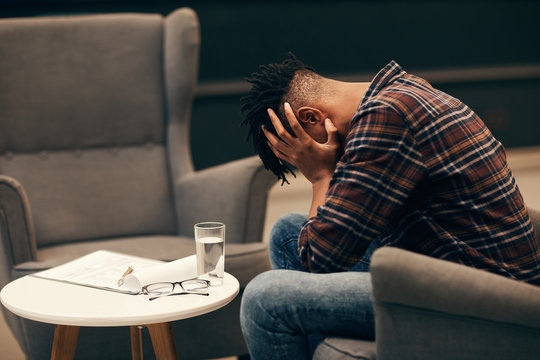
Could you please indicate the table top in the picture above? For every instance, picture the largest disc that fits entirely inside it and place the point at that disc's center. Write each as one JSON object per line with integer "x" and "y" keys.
{"x": 59, "y": 303}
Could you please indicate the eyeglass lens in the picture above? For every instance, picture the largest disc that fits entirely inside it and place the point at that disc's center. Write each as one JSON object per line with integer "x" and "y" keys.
{"x": 160, "y": 288}
{"x": 194, "y": 285}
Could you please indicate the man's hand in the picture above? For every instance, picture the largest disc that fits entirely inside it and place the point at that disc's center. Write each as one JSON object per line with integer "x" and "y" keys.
{"x": 315, "y": 160}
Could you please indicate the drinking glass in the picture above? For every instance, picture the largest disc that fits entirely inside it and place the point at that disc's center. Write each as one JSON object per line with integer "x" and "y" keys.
{"x": 210, "y": 250}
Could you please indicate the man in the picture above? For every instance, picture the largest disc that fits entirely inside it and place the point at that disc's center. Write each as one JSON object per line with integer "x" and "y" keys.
{"x": 393, "y": 162}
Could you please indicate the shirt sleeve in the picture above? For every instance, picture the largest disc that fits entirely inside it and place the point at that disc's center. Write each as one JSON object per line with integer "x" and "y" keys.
{"x": 379, "y": 170}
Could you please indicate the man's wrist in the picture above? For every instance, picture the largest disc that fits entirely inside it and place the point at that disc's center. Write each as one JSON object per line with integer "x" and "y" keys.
{"x": 320, "y": 188}
{"x": 322, "y": 183}
{"x": 321, "y": 177}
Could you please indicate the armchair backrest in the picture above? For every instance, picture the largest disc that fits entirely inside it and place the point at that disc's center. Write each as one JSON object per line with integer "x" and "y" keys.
{"x": 94, "y": 112}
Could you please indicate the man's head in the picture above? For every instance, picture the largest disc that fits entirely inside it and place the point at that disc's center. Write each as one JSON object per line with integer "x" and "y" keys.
{"x": 274, "y": 84}
{"x": 271, "y": 86}
{"x": 312, "y": 97}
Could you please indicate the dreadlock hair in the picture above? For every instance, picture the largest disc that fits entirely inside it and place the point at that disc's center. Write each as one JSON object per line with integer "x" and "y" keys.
{"x": 271, "y": 87}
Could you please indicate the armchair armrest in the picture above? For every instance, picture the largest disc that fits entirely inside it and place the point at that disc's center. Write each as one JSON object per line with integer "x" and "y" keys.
{"x": 234, "y": 193}
{"x": 430, "y": 308}
{"x": 16, "y": 227}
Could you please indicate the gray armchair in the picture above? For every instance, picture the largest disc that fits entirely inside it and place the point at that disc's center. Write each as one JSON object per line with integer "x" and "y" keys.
{"x": 95, "y": 154}
{"x": 426, "y": 308}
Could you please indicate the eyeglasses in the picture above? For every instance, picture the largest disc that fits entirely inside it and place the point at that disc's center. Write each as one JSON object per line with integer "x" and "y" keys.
{"x": 161, "y": 289}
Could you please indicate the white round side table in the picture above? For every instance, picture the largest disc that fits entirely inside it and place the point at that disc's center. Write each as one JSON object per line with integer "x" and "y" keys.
{"x": 71, "y": 306}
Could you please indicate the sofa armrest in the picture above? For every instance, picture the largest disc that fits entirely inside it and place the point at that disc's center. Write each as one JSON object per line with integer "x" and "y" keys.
{"x": 430, "y": 308}
{"x": 16, "y": 227}
{"x": 234, "y": 193}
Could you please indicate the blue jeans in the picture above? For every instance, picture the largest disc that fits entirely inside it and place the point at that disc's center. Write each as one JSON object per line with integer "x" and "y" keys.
{"x": 285, "y": 312}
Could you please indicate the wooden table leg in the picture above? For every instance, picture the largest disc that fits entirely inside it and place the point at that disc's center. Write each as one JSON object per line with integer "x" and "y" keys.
{"x": 136, "y": 343}
{"x": 65, "y": 342}
{"x": 163, "y": 341}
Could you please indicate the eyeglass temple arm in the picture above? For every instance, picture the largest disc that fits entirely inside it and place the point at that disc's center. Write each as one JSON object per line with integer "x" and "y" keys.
{"x": 179, "y": 293}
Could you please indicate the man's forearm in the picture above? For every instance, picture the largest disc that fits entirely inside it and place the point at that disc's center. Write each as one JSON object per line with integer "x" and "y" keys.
{"x": 320, "y": 188}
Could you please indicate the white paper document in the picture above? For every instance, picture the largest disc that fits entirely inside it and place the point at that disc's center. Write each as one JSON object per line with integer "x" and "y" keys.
{"x": 102, "y": 269}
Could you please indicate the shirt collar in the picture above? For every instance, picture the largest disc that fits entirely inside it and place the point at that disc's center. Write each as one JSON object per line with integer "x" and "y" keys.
{"x": 384, "y": 77}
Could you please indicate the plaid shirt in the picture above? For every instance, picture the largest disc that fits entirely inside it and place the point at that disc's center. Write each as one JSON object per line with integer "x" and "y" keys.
{"x": 420, "y": 171}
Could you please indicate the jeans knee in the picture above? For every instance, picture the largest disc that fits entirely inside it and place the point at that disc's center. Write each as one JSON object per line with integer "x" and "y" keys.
{"x": 255, "y": 300}
{"x": 286, "y": 227}
{"x": 294, "y": 219}
{"x": 283, "y": 244}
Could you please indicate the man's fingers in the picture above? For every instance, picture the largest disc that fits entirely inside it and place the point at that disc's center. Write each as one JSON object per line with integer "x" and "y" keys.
{"x": 331, "y": 130}
{"x": 278, "y": 126}
{"x": 279, "y": 154}
{"x": 273, "y": 139}
{"x": 279, "y": 147}
{"x": 294, "y": 124}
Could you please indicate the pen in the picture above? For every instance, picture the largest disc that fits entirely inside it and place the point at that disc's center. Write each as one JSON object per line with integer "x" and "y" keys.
{"x": 126, "y": 273}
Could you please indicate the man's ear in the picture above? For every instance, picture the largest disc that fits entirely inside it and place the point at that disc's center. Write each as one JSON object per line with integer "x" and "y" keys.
{"x": 310, "y": 115}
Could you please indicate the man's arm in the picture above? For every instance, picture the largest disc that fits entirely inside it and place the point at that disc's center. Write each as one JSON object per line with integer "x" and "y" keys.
{"x": 320, "y": 189}
{"x": 375, "y": 177}
{"x": 377, "y": 174}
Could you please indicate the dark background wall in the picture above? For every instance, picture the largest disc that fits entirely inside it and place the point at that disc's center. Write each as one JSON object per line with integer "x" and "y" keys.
{"x": 487, "y": 53}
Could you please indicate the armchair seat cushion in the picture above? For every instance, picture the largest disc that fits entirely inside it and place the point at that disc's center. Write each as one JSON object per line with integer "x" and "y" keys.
{"x": 345, "y": 349}
{"x": 243, "y": 261}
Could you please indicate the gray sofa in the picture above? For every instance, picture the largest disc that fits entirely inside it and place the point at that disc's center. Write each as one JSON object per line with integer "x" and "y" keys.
{"x": 429, "y": 309}
{"x": 95, "y": 154}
